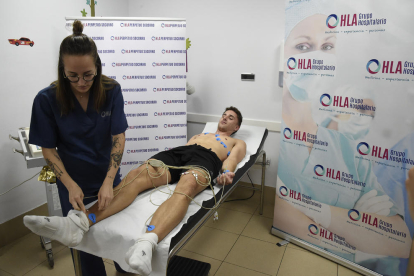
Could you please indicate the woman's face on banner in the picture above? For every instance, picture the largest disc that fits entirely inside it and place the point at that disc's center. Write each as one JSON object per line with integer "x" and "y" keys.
{"x": 309, "y": 35}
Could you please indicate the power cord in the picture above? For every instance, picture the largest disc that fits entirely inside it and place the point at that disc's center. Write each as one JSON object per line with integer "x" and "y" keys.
{"x": 20, "y": 184}
{"x": 246, "y": 197}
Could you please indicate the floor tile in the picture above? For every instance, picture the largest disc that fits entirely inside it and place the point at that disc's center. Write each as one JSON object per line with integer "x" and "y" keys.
{"x": 298, "y": 262}
{"x": 212, "y": 243}
{"x": 343, "y": 271}
{"x": 63, "y": 266}
{"x": 4, "y": 273}
{"x": 229, "y": 220}
{"x": 227, "y": 269}
{"x": 14, "y": 229}
{"x": 215, "y": 264}
{"x": 27, "y": 248}
{"x": 256, "y": 255}
{"x": 259, "y": 228}
{"x": 246, "y": 206}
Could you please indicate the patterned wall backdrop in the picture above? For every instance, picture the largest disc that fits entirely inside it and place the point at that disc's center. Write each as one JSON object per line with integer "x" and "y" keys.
{"x": 147, "y": 58}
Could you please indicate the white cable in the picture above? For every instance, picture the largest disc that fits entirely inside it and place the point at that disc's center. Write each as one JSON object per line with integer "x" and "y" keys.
{"x": 20, "y": 184}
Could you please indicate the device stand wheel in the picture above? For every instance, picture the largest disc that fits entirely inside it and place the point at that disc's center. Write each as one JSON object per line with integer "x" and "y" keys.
{"x": 50, "y": 259}
{"x": 47, "y": 245}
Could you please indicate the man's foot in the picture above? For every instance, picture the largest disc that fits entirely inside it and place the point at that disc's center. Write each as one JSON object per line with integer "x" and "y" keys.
{"x": 139, "y": 256}
{"x": 66, "y": 230}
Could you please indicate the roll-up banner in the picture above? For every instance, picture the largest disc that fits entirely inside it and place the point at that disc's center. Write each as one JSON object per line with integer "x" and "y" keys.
{"x": 348, "y": 132}
{"x": 147, "y": 57}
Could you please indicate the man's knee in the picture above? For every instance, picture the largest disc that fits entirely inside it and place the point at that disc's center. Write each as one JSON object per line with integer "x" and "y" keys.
{"x": 188, "y": 186}
{"x": 139, "y": 172}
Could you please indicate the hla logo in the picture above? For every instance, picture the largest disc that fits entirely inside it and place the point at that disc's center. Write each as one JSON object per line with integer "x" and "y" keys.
{"x": 332, "y": 23}
{"x": 390, "y": 67}
{"x": 338, "y": 101}
{"x": 122, "y": 24}
{"x": 283, "y": 191}
{"x": 123, "y": 51}
{"x": 354, "y": 215}
{"x": 319, "y": 170}
{"x": 301, "y": 63}
{"x": 153, "y": 38}
{"x": 313, "y": 229}
{"x": 162, "y": 25}
{"x": 348, "y": 20}
{"x": 297, "y": 135}
{"x": 163, "y": 51}
{"x": 364, "y": 149}
{"x": 289, "y": 63}
{"x": 288, "y": 133}
{"x": 112, "y": 38}
{"x": 325, "y": 102}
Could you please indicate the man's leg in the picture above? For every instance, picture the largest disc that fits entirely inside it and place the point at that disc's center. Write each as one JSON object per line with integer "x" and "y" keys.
{"x": 165, "y": 219}
{"x": 69, "y": 230}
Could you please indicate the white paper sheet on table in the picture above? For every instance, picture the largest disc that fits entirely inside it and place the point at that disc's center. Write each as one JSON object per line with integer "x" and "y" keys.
{"x": 112, "y": 237}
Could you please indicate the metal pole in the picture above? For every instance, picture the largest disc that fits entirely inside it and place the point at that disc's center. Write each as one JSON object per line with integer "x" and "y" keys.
{"x": 263, "y": 182}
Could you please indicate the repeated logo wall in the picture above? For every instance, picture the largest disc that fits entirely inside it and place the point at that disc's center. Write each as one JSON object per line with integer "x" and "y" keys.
{"x": 147, "y": 58}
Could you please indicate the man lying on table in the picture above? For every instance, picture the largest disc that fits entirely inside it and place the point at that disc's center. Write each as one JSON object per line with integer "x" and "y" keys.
{"x": 217, "y": 152}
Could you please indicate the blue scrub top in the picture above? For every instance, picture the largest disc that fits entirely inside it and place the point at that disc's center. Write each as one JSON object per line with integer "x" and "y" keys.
{"x": 83, "y": 139}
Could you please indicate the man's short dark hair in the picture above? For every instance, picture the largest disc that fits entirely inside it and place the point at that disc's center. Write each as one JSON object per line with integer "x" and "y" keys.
{"x": 238, "y": 113}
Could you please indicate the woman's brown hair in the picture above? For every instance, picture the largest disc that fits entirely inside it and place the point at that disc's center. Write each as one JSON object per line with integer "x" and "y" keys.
{"x": 79, "y": 44}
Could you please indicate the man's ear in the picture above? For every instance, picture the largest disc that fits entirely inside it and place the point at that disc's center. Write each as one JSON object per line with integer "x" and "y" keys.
{"x": 237, "y": 128}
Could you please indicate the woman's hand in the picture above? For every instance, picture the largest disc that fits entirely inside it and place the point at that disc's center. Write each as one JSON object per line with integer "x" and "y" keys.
{"x": 76, "y": 198}
{"x": 106, "y": 194}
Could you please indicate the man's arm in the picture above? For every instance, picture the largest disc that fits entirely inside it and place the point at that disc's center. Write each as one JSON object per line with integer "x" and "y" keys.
{"x": 229, "y": 165}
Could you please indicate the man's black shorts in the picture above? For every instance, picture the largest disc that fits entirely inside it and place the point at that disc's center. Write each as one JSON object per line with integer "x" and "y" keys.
{"x": 190, "y": 155}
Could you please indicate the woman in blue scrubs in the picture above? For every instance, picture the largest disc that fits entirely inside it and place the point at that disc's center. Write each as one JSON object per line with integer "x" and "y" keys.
{"x": 79, "y": 122}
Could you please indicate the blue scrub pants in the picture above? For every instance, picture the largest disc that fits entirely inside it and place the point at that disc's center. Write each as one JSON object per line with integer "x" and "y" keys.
{"x": 91, "y": 264}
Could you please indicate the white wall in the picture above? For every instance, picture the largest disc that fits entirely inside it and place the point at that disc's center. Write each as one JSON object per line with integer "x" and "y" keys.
{"x": 24, "y": 71}
{"x": 229, "y": 38}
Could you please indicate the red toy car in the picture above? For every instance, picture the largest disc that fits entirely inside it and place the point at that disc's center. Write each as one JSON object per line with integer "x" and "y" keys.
{"x": 21, "y": 41}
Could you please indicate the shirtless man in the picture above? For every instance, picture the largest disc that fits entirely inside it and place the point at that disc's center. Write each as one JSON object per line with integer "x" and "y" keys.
{"x": 217, "y": 152}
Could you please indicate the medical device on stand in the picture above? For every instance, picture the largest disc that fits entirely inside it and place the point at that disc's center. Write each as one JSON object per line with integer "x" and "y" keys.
{"x": 34, "y": 158}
